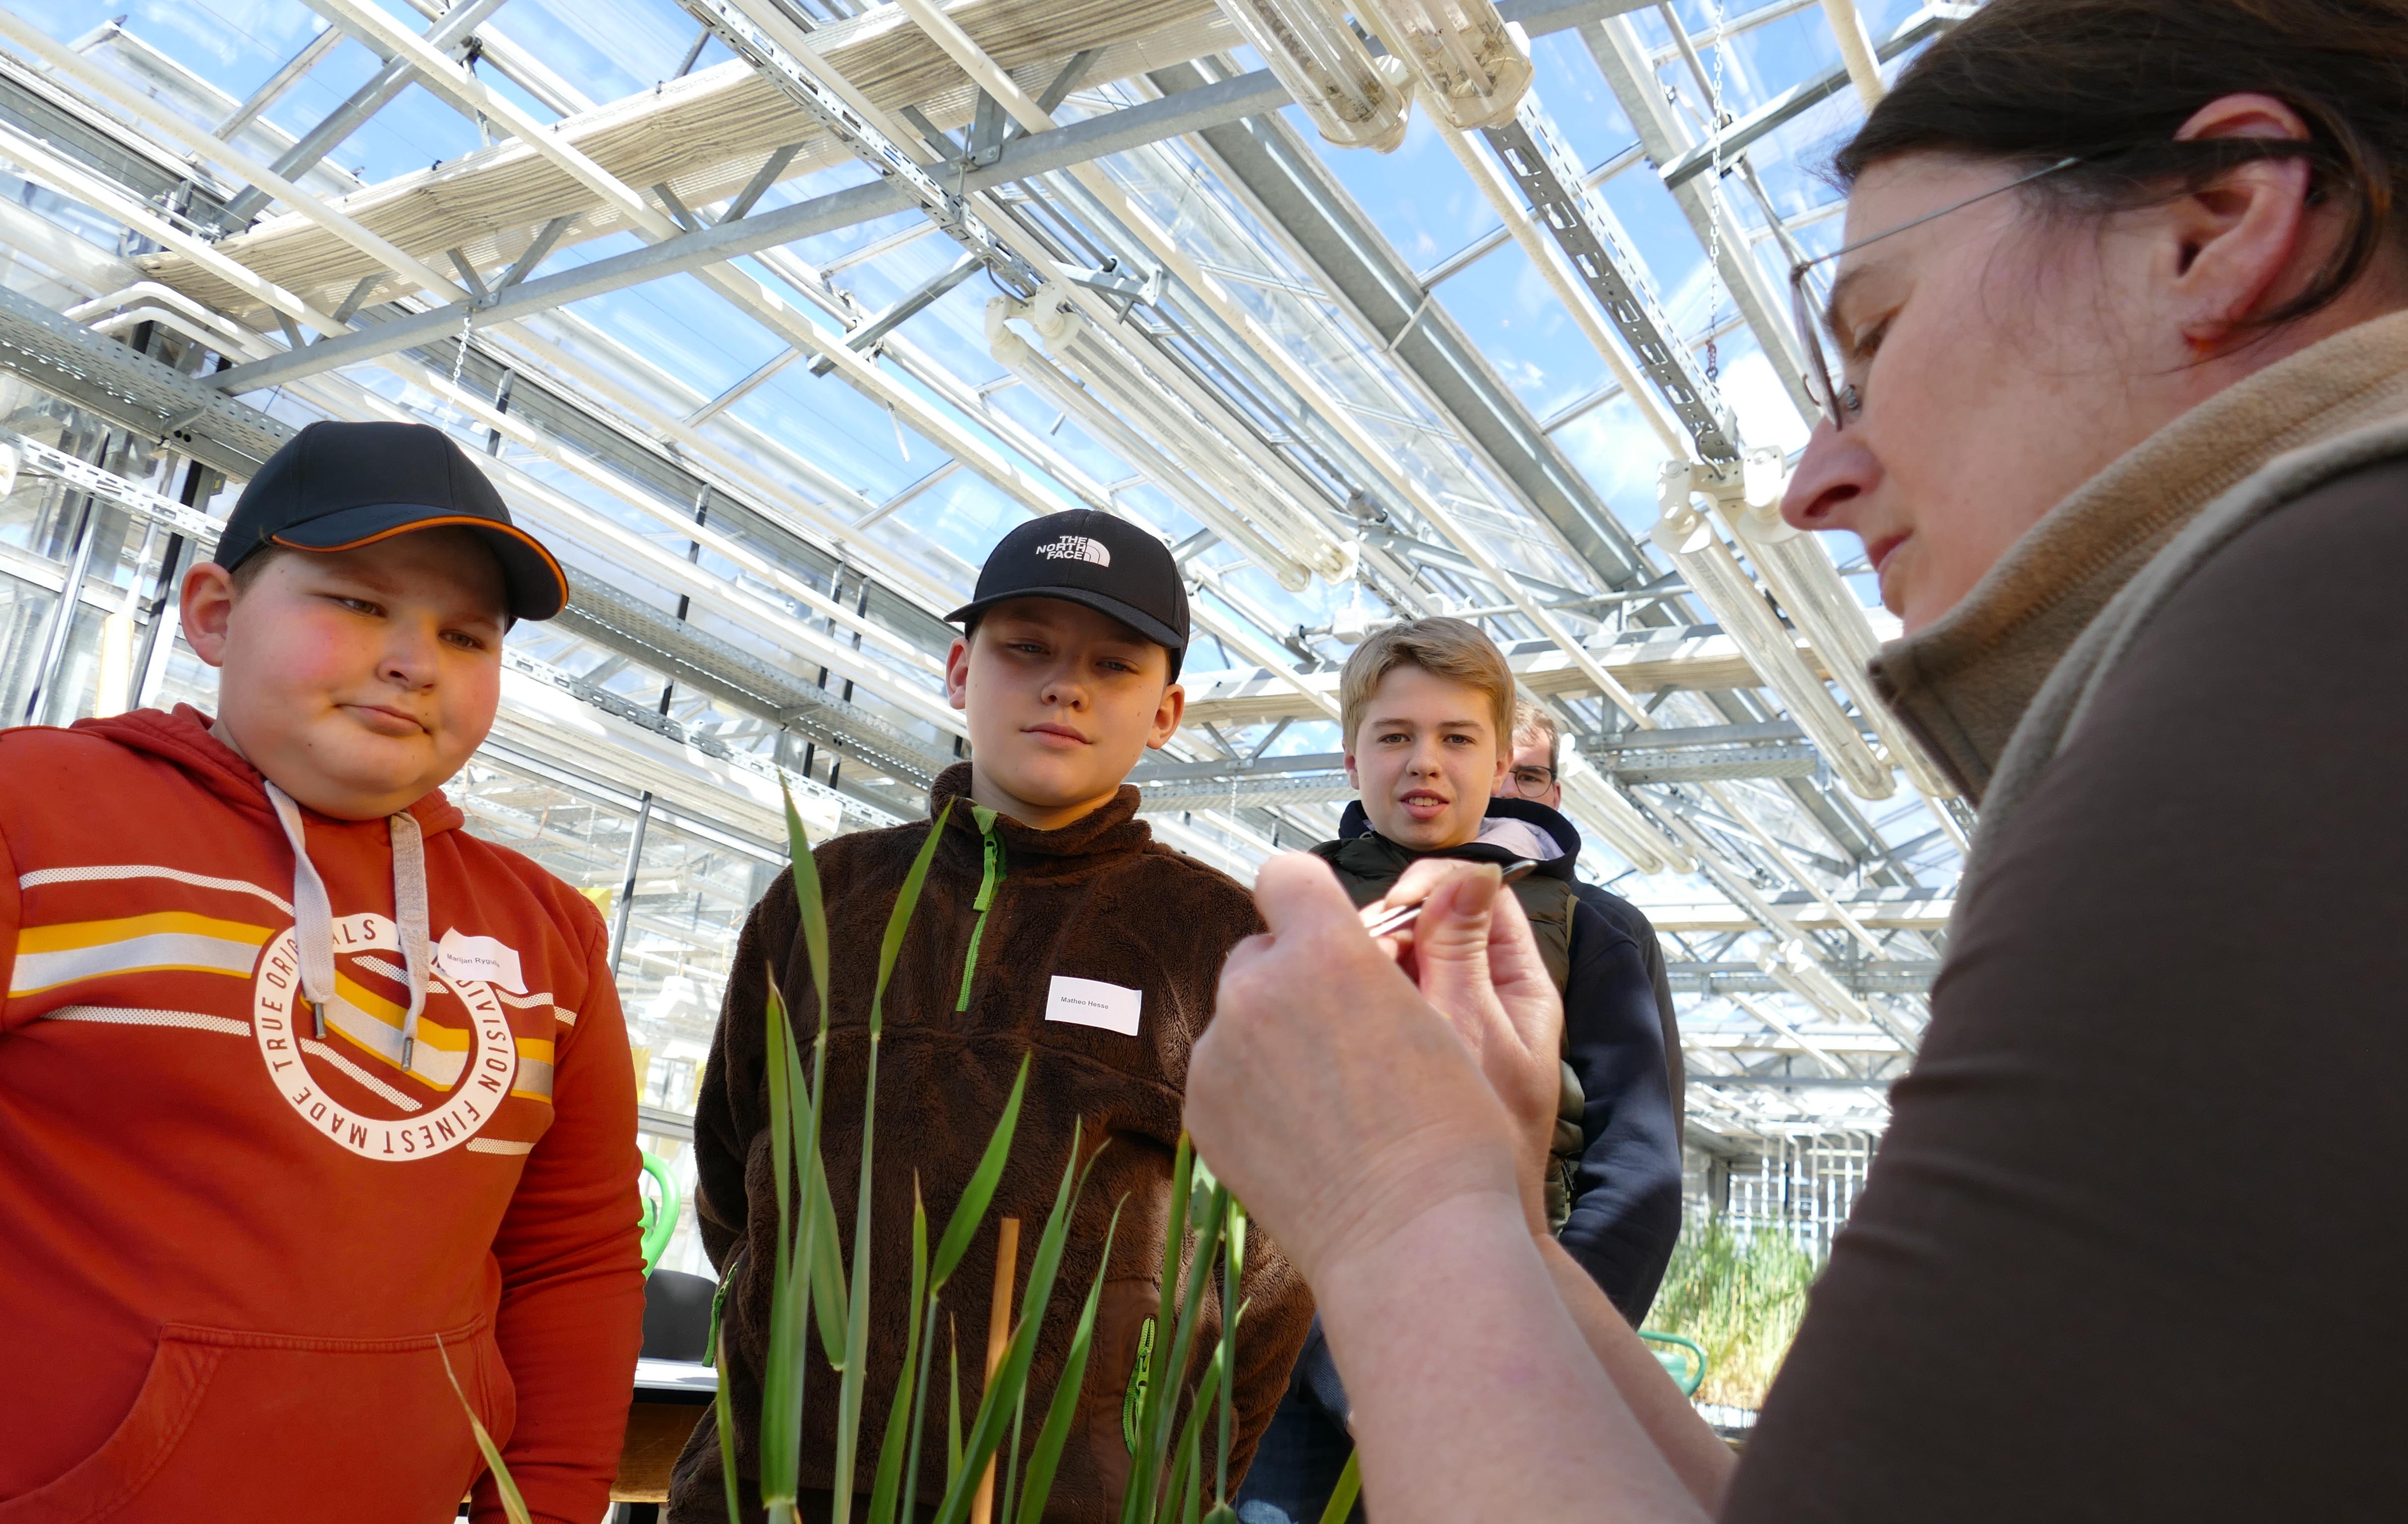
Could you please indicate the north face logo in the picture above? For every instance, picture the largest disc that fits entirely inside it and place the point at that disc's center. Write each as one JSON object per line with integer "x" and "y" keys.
{"x": 1077, "y": 548}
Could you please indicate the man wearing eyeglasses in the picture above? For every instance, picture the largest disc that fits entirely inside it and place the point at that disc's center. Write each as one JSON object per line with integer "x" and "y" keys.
{"x": 1536, "y": 778}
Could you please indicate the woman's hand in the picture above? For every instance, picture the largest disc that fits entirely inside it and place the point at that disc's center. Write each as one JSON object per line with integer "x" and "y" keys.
{"x": 1474, "y": 959}
{"x": 1328, "y": 1093}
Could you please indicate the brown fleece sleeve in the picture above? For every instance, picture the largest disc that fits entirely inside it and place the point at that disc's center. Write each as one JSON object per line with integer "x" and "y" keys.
{"x": 572, "y": 1308}
{"x": 727, "y": 1114}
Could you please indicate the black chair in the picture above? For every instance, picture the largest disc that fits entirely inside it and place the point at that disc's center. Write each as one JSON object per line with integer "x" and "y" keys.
{"x": 677, "y": 1317}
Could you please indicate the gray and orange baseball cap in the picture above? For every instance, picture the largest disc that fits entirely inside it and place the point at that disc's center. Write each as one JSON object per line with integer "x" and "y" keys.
{"x": 337, "y": 486}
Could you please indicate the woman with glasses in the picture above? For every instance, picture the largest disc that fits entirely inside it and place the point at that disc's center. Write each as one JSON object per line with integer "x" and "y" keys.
{"x": 2116, "y": 363}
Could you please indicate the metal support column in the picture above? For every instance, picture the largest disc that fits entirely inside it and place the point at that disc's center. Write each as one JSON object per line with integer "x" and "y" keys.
{"x": 627, "y": 904}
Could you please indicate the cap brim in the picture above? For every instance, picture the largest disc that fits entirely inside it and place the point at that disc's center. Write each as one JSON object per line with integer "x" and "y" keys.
{"x": 532, "y": 580}
{"x": 1136, "y": 619}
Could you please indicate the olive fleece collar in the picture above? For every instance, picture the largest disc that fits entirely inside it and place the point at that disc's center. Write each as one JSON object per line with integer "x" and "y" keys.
{"x": 1963, "y": 684}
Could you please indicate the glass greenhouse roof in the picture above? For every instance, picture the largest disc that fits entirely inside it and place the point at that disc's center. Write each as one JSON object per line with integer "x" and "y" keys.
{"x": 1345, "y": 386}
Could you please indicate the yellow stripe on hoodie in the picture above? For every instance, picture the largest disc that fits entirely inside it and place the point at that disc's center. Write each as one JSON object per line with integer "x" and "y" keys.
{"x": 49, "y": 957}
{"x": 372, "y": 1024}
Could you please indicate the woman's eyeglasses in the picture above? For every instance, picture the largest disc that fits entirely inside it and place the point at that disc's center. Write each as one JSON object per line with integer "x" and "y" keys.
{"x": 1840, "y": 403}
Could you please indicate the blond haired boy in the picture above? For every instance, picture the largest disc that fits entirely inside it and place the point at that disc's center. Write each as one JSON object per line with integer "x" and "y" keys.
{"x": 1428, "y": 712}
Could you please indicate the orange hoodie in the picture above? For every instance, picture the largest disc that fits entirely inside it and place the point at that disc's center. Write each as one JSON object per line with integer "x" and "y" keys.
{"x": 229, "y": 1243}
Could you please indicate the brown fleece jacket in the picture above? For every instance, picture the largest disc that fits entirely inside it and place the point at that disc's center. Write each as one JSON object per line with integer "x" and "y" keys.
{"x": 1099, "y": 899}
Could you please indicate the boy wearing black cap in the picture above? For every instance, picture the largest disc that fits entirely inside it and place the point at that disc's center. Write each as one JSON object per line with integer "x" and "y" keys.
{"x": 305, "y": 1093}
{"x": 1051, "y": 927}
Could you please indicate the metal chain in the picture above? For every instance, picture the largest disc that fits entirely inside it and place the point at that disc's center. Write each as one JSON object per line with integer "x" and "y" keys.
{"x": 452, "y": 403}
{"x": 1716, "y": 286}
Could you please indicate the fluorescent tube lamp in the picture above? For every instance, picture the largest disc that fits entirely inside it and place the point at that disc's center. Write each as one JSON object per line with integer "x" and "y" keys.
{"x": 1224, "y": 479}
{"x": 1113, "y": 432}
{"x": 1810, "y": 588}
{"x": 1472, "y": 66}
{"x": 1616, "y": 823}
{"x": 1796, "y": 969}
{"x": 1354, "y": 99}
{"x": 1689, "y": 538}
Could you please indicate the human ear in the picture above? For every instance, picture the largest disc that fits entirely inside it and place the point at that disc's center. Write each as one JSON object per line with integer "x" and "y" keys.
{"x": 1352, "y": 782}
{"x": 2244, "y": 239}
{"x": 957, "y": 674}
{"x": 207, "y": 610}
{"x": 1167, "y": 715}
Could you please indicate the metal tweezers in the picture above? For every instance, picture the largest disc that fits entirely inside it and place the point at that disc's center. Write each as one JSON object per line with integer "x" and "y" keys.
{"x": 1391, "y": 919}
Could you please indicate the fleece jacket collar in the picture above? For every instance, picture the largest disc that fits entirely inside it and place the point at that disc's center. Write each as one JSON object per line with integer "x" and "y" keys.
{"x": 182, "y": 739}
{"x": 1355, "y": 823}
{"x": 1964, "y": 683}
{"x": 1110, "y": 831}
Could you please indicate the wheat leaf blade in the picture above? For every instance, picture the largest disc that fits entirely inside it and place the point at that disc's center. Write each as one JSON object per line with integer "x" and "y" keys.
{"x": 886, "y": 1487}
{"x": 512, "y": 1504}
{"x": 970, "y": 1210}
{"x": 1054, "y": 1432}
{"x": 1349, "y": 1486}
{"x": 1002, "y": 1393}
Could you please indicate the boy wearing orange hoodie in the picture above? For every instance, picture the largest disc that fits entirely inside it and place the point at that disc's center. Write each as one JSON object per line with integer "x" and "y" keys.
{"x": 304, "y": 1091}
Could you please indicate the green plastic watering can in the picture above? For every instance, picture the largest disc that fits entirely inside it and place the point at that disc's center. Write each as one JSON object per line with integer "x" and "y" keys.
{"x": 1683, "y": 1360}
{"x": 660, "y": 1219}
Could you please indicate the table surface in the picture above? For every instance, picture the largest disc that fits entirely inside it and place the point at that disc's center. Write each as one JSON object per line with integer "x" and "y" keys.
{"x": 675, "y": 1381}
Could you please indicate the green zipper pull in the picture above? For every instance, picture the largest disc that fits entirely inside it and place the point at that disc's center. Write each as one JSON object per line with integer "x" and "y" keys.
{"x": 987, "y": 881}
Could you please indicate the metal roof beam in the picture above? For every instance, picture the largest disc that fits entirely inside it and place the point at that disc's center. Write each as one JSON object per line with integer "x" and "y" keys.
{"x": 1297, "y": 196}
{"x": 1073, "y": 143}
{"x": 1532, "y": 150}
{"x": 1903, "y": 977}
{"x": 450, "y": 33}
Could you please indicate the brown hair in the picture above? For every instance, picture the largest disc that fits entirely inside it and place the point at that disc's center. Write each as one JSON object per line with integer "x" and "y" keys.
{"x": 1533, "y": 722}
{"x": 2110, "y": 81}
{"x": 248, "y": 570}
{"x": 1441, "y": 646}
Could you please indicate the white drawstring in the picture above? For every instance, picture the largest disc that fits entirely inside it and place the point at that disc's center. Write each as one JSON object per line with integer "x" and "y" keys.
{"x": 313, "y": 916}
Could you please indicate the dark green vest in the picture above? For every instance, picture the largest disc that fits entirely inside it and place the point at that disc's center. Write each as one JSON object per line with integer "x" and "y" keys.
{"x": 1370, "y": 863}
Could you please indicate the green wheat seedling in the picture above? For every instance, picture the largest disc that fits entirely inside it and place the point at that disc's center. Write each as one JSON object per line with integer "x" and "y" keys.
{"x": 513, "y": 1506}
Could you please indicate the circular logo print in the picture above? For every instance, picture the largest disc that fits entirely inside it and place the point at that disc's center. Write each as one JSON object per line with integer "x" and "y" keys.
{"x": 472, "y": 1081}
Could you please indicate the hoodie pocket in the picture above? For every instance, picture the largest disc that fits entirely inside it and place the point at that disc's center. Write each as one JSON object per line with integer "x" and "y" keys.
{"x": 286, "y": 1426}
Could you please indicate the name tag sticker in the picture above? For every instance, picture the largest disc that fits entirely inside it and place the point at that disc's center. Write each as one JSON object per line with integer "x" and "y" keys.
{"x": 1091, "y": 1003}
{"x": 483, "y": 959}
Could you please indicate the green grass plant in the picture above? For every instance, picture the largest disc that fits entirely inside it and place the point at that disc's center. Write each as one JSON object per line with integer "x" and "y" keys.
{"x": 1741, "y": 1295}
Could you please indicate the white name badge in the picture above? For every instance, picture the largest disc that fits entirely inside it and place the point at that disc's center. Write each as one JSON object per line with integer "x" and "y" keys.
{"x": 482, "y": 959}
{"x": 1091, "y": 1003}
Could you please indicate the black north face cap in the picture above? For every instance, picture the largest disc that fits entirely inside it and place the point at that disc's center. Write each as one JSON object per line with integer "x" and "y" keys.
{"x": 1094, "y": 559}
{"x": 339, "y": 486}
